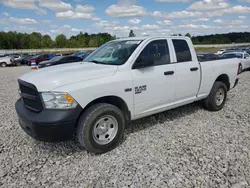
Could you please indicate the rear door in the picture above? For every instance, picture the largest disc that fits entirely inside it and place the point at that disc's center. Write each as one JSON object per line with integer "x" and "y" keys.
{"x": 154, "y": 86}
{"x": 187, "y": 72}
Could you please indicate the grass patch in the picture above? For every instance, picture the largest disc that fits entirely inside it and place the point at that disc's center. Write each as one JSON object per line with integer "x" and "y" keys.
{"x": 209, "y": 50}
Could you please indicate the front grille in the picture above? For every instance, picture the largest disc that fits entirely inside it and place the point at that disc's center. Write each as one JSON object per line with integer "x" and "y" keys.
{"x": 30, "y": 96}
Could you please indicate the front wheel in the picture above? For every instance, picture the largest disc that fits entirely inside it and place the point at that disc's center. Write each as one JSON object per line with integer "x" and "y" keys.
{"x": 217, "y": 97}
{"x": 101, "y": 128}
{"x": 3, "y": 64}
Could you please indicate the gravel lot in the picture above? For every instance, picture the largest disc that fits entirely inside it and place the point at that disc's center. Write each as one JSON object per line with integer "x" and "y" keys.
{"x": 184, "y": 147}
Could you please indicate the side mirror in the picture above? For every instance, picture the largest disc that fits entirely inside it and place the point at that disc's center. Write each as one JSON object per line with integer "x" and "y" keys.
{"x": 143, "y": 62}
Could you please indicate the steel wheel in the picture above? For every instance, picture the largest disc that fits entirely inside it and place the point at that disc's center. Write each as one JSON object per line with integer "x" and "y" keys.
{"x": 219, "y": 97}
{"x": 3, "y": 64}
{"x": 105, "y": 129}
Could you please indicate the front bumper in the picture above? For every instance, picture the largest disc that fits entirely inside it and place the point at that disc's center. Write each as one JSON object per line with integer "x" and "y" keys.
{"x": 48, "y": 125}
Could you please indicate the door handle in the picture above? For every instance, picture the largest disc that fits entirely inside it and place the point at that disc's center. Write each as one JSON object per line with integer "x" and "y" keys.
{"x": 168, "y": 73}
{"x": 194, "y": 69}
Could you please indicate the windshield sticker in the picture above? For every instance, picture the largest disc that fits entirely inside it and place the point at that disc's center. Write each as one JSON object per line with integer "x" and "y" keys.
{"x": 133, "y": 42}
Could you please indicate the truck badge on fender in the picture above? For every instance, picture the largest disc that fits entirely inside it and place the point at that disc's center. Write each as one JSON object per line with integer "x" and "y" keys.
{"x": 140, "y": 89}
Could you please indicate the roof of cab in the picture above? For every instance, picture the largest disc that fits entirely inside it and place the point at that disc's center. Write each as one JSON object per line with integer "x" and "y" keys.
{"x": 149, "y": 38}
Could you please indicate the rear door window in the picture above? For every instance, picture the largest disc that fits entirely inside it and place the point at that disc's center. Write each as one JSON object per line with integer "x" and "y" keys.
{"x": 182, "y": 50}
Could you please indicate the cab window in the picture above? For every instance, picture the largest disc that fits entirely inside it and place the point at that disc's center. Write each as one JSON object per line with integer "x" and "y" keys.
{"x": 157, "y": 51}
{"x": 182, "y": 50}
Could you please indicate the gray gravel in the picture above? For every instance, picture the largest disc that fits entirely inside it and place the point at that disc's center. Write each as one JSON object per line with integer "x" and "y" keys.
{"x": 184, "y": 147}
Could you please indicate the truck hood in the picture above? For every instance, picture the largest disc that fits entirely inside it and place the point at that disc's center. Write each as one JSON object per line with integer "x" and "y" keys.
{"x": 50, "y": 78}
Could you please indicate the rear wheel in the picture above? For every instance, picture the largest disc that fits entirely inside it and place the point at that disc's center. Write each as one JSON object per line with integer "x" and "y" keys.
{"x": 217, "y": 97}
{"x": 3, "y": 64}
{"x": 18, "y": 63}
{"x": 101, "y": 128}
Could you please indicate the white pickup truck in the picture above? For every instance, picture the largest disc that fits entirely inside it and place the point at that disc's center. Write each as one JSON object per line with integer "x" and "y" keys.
{"x": 123, "y": 80}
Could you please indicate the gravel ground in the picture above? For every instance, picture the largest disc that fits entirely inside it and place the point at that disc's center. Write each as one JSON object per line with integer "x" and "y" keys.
{"x": 184, "y": 147}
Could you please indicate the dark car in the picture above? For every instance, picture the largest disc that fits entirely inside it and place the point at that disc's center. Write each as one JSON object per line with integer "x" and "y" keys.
{"x": 23, "y": 60}
{"x": 82, "y": 55}
{"x": 206, "y": 56}
{"x": 39, "y": 58}
{"x": 59, "y": 60}
{"x": 232, "y": 55}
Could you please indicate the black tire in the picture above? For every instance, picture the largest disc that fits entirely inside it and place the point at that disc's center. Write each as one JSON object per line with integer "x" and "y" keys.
{"x": 210, "y": 102}
{"x": 18, "y": 63}
{"x": 3, "y": 64}
{"x": 86, "y": 124}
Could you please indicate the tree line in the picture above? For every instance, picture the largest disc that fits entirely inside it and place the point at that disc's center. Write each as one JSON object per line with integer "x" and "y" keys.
{"x": 35, "y": 40}
{"x": 227, "y": 38}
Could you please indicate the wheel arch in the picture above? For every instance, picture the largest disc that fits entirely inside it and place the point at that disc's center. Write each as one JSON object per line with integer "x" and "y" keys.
{"x": 225, "y": 79}
{"x": 114, "y": 100}
{"x": 3, "y": 62}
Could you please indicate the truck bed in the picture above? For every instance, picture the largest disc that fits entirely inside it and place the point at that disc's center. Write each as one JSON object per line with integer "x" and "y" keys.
{"x": 212, "y": 68}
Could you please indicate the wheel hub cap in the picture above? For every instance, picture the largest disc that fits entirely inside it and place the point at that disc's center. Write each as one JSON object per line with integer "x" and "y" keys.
{"x": 219, "y": 97}
{"x": 105, "y": 129}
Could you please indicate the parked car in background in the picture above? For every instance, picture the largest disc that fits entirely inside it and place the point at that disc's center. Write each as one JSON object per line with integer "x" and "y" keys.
{"x": 15, "y": 57}
{"x": 39, "y": 58}
{"x": 206, "y": 56}
{"x": 245, "y": 58}
{"x": 6, "y": 61}
{"x": 221, "y": 51}
{"x": 23, "y": 60}
{"x": 59, "y": 60}
{"x": 82, "y": 55}
{"x": 3, "y": 55}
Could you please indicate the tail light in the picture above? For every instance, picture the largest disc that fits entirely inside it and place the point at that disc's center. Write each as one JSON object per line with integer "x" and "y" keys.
{"x": 239, "y": 69}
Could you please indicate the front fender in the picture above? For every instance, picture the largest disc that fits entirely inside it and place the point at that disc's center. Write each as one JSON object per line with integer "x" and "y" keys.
{"x": 87, "y": 91}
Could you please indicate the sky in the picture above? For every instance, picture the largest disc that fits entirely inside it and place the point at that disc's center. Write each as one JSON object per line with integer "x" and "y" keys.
{"x": 118, "y": 17}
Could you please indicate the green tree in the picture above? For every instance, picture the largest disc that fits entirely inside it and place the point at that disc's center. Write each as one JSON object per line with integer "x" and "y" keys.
{"x": 131, "y": 33}
{"x": 61, "y": 41}
{"x": 188, "y": 35}
{"x": 47, "y": 41}
{"x": 35, "y": 40}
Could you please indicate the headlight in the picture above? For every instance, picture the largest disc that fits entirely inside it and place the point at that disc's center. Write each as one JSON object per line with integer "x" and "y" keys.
{"x": 58, "y": 100}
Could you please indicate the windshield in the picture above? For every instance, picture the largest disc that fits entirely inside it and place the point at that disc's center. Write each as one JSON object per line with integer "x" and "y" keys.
{"x": 113, "y": 53}
{"x": 36, "y": 56}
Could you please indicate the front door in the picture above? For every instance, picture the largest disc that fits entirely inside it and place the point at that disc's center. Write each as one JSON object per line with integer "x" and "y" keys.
{"x": 154, "y": 86}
